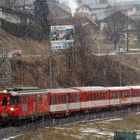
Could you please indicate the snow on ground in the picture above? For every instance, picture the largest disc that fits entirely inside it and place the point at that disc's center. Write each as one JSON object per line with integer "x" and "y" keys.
{"x": 138, "y": 113}
{"x": 10, "y": 138}
{"x": 110, "y": 120}
{"x": 98, "y": 132}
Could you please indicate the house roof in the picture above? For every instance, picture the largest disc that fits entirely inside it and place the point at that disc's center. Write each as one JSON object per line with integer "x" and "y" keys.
{"x": 136, "y": 15}
{"x": 17, "y": 12}
{"x": 73, "y": 21}
{"x": 86, "y": 6}
{"x": 114, "y": 17}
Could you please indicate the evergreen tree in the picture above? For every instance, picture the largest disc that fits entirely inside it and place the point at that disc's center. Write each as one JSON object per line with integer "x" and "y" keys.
{"x": 41, "y": 15}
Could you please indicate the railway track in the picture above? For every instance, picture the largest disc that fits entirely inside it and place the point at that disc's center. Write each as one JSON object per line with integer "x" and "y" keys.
{"x": 6, "y": 133}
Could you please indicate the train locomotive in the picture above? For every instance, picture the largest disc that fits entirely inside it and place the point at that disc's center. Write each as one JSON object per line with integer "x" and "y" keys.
{"x": 18, "y": 104}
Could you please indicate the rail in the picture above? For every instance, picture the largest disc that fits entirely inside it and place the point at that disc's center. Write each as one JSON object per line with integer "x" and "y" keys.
{"x": 78, "y": 118}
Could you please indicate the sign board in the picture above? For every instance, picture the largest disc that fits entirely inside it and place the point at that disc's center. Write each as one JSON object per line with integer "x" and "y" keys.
{"x": 62, "y": 37}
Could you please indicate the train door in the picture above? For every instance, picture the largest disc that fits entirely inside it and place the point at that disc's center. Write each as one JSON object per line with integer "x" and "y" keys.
{"x": 114, "y": 98}
{"x": 104, "y": 101}
{"x": 67, "y": 103}
{"x": 4, "y": 105}
{"x": 135, "y": 96}
{"x": 35, "y": 104}
{"x": 24, "y": 104}
{"x": 125, "y": 98}
{"x": 74, "y": 102}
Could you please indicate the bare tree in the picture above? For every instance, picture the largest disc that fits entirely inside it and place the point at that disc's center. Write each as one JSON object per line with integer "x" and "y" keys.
{"x": 117, "y": 25}
{"x": 5, "y": 67}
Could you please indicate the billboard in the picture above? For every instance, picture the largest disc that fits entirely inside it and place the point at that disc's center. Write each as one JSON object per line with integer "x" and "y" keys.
{"x": 62, "y": 37}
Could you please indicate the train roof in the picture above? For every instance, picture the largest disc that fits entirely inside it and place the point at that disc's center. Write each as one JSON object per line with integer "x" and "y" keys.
{"x": 134, "y": 87}
{"x": 41, "y": 91}
{"x": 22, "y": 88}
{"x": 96, "y": 88}
{"x": 63, "y": 90}
{"x": 118, "y": 88}
{"x": 26, "y": 92}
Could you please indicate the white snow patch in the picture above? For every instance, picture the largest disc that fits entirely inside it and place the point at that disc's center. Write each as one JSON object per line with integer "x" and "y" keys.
{"x": 138, "y": 113}
{"x": 10, "y": 138}
{"x": 77, "y": 136}
{"x": 97, "y": 131}
{"x": 115, "y": 119}
{"x": 59, "y": 128}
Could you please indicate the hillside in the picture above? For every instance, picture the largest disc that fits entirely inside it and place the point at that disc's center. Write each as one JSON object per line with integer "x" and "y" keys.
{"x": 28, "y": 47}
{"x": 69, "y": 69}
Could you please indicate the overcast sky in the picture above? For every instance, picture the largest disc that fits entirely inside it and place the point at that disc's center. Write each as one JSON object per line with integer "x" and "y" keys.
{"x": 73, "y": 5}
{"x": 123, "y": 0}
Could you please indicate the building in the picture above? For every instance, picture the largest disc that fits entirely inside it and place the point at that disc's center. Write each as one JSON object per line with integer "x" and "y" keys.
{"x": 96, "y": 8}
{"x": 92, "y": 2}
{"x": 59, "y": 11}
{"x": 83, "y": 11}
{"x": 17, "y": 14}
{"x": 120, "y": 28}
{"x": 14, "y": 16}
{"x": 83, "y": 22}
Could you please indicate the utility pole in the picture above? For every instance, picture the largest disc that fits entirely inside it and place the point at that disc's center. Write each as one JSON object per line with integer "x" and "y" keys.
{"x": 50, "y": 62}
{"x": 50, "y": 66}
{"x": 120, "y": 53}
{"x": 120, "y": 68}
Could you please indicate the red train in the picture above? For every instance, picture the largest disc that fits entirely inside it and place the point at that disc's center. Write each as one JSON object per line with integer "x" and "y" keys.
{"x": 30, "y": 103}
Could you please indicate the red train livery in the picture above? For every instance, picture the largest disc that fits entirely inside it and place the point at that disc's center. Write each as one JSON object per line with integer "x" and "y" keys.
{"x": 30, "y": 103}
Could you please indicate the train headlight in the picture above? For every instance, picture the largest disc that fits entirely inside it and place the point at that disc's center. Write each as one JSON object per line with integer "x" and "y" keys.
{"x": 11, "y": 108}
{"x": 5, "y": 91}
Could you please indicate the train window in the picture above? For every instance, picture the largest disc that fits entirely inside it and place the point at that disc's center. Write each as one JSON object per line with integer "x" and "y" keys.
{"x": 65, "y": 99}
{"x": 61, "y": 99}
{"x": 115, "y": 95}
{"x": 4, "y": 101}
{"x": 100, "y": 96}
{"x": 111, "y": 95}
{"x": 39, "y": 98}
{"x": 138, "y": 93}
{"x": 54, "y": 100}
{"x": 119, "y": 95}
{"x": 35, "y": 98}
{"x": 74, "y": 98}
{"x": 14, "y": 100}
{"x": 103, "y": 95}
{"x": 125, "y": 94}
{"x": 89, "y": 96}
{"x": 94, "y": 96}
{"x": 97, "y": 96}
